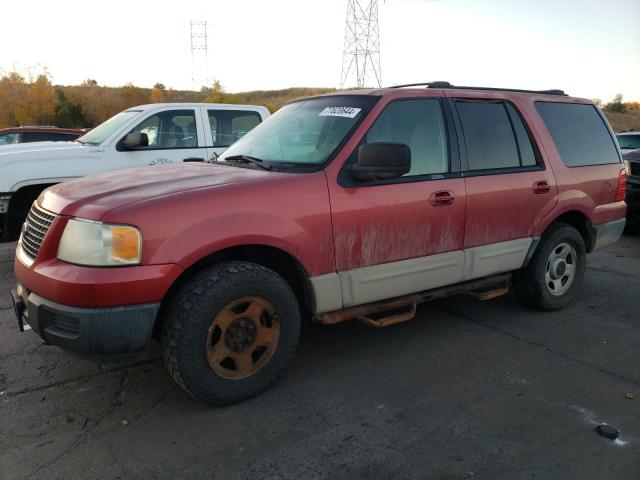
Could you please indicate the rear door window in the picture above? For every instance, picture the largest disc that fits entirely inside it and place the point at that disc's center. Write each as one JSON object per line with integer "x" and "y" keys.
{"x": 488, "y": 135}
{"x": 579, "y": 132}
{"x": 227, "y": 126}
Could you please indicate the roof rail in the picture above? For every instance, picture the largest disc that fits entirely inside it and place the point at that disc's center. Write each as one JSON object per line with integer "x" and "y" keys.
{"x": 441, "y": 84}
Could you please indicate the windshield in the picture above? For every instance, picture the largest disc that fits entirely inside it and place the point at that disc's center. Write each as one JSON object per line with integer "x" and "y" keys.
{"x": 304, "y": 133}
{"x": 106, "y": 129}
{"x": 629, "y": 141}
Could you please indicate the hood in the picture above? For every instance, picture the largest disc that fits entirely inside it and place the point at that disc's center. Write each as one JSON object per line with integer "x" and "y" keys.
{"x": 28, "y": 148}
{"x": 93, "y": 196}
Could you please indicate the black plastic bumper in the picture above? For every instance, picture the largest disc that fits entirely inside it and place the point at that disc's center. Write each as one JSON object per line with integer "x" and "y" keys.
{"x": 100, "y": 332}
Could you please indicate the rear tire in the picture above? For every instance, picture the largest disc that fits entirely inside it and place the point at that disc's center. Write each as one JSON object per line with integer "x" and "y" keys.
{"x": 555, "y": 272}
{"x": 230, "y": 331}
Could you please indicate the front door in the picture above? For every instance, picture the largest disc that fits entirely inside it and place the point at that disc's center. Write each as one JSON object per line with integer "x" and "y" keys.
{"x": 175, "y": 136}
{"x": 403, "y": 235}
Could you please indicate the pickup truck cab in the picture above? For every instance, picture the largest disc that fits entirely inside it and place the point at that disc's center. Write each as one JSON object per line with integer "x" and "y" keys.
{"x": 356, "y": 205}
{"x": 160, "y": 133}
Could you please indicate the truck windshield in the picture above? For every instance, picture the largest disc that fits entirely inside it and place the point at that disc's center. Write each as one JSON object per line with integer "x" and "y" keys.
{"x": 304, "y": 133}
{"x": 106, "y": 129}
{"x": 629, "y": 141}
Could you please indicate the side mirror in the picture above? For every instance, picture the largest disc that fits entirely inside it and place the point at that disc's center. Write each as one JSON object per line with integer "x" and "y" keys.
{"x": 381, "y": 161}
{"x": 135, "y": 140}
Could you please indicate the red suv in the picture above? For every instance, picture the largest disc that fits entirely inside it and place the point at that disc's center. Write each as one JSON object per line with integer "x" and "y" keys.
{"x": 10, "y": 136}
{"x": 355, "y": 205}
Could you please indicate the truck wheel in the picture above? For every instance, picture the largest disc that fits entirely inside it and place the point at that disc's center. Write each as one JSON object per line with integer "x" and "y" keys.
{"x": 230, "y": 331}
{"x": 554, "y": 275}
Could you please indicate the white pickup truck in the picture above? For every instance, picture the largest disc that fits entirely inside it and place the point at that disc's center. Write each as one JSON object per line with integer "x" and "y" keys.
{"x": 145, "y": 135}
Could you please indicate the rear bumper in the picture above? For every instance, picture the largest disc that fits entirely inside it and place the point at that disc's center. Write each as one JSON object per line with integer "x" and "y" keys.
{"x": 608, "y": 233}
{"x": 100, "y": 332}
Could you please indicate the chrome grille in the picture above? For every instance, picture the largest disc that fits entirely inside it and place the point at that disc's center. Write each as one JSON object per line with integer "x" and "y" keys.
{"x": 34, "y": 230}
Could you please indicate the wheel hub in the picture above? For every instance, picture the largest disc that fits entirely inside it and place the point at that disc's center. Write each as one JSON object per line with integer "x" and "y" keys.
{"x": 243, "y": 337}
{"x": 558, "y": 269}
{"x": 240, "y": 335}
{"x": 561, "y": 269}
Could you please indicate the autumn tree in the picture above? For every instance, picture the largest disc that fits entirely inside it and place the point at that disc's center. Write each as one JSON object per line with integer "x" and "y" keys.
{"x": 39, "y": 103}
{"x": 13, "y": 89}
{"x": 157, "y": 93}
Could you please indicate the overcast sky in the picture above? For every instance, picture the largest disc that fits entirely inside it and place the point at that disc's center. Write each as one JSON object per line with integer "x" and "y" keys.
{"x": 589, "y": 48}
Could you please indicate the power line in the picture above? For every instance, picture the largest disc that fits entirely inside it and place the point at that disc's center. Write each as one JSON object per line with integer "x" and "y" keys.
{"x": 361, "y": 54}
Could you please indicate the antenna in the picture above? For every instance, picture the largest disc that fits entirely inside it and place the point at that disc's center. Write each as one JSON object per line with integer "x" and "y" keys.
{"x": 199, "y": 54}
{"x": 361, "y": 54}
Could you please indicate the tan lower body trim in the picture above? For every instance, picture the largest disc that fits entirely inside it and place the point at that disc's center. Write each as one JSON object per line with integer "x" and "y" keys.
{"x": 335, "y": 291}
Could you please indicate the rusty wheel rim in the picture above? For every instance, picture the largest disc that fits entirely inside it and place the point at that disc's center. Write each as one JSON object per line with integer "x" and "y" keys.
{"x": 243, "y": 337}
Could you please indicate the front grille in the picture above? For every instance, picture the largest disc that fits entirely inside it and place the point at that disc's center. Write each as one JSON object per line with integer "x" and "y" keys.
{"x": 635, "y": 168}
{"x": 34, "y": 230}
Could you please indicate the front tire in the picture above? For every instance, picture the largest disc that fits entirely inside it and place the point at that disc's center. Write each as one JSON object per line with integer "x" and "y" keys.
{"x": 230, "y": 331}
{"x": 555, "y": 272}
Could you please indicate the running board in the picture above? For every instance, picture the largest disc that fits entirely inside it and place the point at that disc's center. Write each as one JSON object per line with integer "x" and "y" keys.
{"x": 483, "y": 295}
{"x": 401, "y": 309}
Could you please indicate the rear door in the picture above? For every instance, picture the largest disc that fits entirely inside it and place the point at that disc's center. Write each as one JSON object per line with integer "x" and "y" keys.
{"x": 224, "y": 126}
{"x": 175, "y": 135}
{"x": 509, "y": 189}
{"x": 404, "y": 235}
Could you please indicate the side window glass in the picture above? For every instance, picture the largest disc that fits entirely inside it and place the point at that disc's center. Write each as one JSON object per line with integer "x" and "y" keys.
{"x": 169, "y": 130}
{"x": 488, "y": 135}
{"x": 227, "y": 126}
{"x": 418, "y": 123}
{"x": 9, "y": 138}
{"x": 525, "y": 146}
{"x": 579, "y": 132}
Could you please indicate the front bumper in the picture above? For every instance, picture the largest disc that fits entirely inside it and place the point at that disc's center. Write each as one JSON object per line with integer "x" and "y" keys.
{"x": 102, "y": 332}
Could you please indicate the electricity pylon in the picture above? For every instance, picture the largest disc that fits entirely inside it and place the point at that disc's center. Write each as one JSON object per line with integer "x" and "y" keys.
{"x": 361, "y": 54}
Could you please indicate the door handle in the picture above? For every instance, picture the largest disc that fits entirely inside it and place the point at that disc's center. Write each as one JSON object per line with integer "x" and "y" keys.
{"x": 193, "y": 159}
{"x": 442, "y": 198}
{"x": 541, "y": 187}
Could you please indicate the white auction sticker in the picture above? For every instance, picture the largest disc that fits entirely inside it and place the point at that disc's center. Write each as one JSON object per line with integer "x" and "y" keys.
{"x": 348, "y": 112}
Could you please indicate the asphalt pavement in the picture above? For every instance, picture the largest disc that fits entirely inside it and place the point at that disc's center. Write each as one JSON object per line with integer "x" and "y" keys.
{"x": 469, "y": 389}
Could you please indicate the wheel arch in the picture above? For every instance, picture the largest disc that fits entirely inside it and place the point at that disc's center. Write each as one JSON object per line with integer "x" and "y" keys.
{"x": 578, "y": 220}
{"x": 21, "y": 200}
{"x": 276, "y": 259}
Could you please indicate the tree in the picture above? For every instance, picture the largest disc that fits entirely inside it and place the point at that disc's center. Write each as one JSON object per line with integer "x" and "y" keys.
{"x": 68, "y": 114}
{"x": 157, "y": 93}
{"x": 13, "y": 90}
{"x": 39, "y": 104}
{"x": 132, "y": 96}
{"x": 616, "y": 105}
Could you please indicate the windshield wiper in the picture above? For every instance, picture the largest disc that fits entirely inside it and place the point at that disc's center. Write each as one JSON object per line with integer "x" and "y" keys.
{"x": 247, "y": 159}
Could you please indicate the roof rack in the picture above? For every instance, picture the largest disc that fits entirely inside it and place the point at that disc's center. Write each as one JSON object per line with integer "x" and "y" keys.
{"x": 440, "y": 84}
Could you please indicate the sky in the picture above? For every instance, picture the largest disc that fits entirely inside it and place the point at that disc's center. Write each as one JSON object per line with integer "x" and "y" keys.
{"x": 589, "y": 48}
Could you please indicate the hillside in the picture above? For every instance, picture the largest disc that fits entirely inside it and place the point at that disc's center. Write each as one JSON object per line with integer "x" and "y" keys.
{"x": 38, "y": 102}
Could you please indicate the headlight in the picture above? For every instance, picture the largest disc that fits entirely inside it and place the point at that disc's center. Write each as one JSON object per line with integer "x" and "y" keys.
{"x": 86, "y": 242}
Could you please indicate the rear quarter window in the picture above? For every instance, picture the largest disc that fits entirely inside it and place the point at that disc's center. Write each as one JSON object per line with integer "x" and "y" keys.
{"x": 580, "y": 134}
